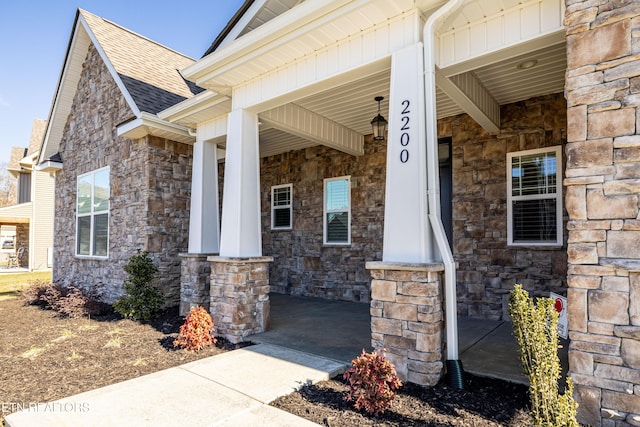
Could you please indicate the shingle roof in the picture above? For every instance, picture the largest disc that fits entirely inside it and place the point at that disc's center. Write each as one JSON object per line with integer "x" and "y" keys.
{"x": 149, "y": 71}
{"x": 37, "y": 134}
{"x": 17, "y": 154}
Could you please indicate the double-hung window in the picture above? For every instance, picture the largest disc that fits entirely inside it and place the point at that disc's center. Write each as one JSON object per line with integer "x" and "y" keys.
{"x": 92, "y": 214}
{"x": 337, "y": 211}
{"x": 281, "y": 207}
{"x": 534, "y": 197}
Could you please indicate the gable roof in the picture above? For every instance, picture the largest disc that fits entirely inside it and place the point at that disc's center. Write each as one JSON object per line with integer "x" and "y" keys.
{"x": 37, "y": 134}
{"x": 251, "y": 15}
{"x": 146, "y": 72}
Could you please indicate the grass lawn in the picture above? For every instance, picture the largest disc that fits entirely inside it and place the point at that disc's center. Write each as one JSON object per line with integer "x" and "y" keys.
{"x": 12, "y": 282}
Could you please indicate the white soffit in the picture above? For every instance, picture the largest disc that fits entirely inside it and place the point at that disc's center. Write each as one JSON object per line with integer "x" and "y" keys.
{"x": 302, "y": 30}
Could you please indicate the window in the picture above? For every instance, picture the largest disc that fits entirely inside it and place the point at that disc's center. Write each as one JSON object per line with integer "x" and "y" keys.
{"x": 24, "y": 187}
{"x": 337, "y": 211}
{"x": 92, "y": 210}
{"x": 281, "y": 210}
{"x": 534, "y": 197}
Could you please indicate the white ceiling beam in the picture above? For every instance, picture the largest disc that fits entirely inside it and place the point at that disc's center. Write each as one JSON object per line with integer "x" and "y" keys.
{"x": 469, "y": 93}
{"x": 305, "y": 124}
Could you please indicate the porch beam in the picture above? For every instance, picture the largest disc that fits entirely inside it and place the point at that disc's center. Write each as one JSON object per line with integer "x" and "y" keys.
{"x": 469, "y": 93}
{"x": 314, "y": 127}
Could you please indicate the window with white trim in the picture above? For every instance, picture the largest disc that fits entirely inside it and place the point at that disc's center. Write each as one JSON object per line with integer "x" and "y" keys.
{"x": 337, "y": 211}
{"x": 534, "y": 197}
{"x": 281, "y": 207}
{"x": 92, "y": 214}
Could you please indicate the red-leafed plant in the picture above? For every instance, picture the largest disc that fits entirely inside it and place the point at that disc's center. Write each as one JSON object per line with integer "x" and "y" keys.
{"x": 372, "y": 382}
{"x": 197, "y": 330}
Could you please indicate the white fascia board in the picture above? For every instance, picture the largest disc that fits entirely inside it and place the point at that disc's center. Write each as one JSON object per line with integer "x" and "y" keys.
{"x": 192, "y": 106}
{"x": 49, "y": 166}
{"x": 61, "y": 104}
{"x": 150, "y": 124}
{"x": 243, "y": 22}
{"x": 273, "y": 31}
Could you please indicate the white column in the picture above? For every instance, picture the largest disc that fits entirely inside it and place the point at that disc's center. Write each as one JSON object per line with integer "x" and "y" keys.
{"x": 407, "y": 235}
{"x": 204, "y": 221}
{"x": 241, "y": 228}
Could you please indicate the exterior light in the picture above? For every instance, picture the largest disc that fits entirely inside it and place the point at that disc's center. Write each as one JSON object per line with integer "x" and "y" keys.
{"x": 379, "y": 124}
{"x": 525, "y": 65}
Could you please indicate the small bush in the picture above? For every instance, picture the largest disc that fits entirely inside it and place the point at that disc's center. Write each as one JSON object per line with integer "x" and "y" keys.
{"x": 372, "y": 382}
{"x": 196, "y": 331}
{"x": 69, "y": 301}
{"x": 536, "y": 329}
{"x": 142, "y": 300}
{"x": 32, "y": 295}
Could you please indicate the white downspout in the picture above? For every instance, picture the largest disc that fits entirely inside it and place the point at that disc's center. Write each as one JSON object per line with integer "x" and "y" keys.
{"x": 433, "y": 181}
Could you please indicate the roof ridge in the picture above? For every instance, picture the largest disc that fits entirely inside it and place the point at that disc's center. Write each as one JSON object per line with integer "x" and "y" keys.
{"x": 83, "y": 11}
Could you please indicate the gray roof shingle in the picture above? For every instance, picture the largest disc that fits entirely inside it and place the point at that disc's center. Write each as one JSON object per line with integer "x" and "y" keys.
{"x": 149, "y": 71}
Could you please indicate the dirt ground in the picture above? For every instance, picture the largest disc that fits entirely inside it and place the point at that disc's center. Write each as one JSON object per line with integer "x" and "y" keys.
{"x": 484, "y": 402}
{"x": 44, "y": 357}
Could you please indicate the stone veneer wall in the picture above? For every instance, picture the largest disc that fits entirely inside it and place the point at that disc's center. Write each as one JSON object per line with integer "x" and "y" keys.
{"x": 22, "y": 241}
{"x": 302, "y": 265}
{"x": 488, "y": 268}
{"x": 407, "y": 318}
{"x": 602, "y": 199}
{"x": 150, "y": 190}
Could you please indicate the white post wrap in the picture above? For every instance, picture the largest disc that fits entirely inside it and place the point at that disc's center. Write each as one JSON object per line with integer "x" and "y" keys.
{"x": 241, "y": 228}
{"x": 204, "y": 222}
{"x": 407, "y": 235}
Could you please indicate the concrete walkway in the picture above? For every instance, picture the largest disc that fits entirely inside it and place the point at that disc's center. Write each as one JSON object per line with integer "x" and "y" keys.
{"x": 231, "y": 389}
{"x": 310, "y": 340}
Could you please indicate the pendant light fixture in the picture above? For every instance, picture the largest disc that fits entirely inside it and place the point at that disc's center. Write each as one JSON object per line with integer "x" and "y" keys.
{"x": 379, "y": 124}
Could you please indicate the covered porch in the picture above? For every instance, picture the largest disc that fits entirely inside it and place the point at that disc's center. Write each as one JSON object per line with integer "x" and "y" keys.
{"x": 340, "y": 330}
{"x": 285, "y": 123}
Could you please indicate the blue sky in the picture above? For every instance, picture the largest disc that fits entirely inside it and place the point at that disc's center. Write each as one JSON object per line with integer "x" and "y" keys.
{"x": 34, "y": 36}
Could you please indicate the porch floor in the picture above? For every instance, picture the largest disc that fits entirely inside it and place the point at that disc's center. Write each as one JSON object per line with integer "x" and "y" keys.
{"x": 340, "y": 330}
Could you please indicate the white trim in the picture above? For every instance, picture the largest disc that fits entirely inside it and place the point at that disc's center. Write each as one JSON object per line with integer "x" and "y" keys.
{"x": 150, "y": 124}
{"x": 289, "y": 206}
{"x": 243, "y": 22}
{"x": 325, "y": 211}
{"x": 557, "y": 149}
{"x": 92, "y": 215}
{"x": 49, "y": 166}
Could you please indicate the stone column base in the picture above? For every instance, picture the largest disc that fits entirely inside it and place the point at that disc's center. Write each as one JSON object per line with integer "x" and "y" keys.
{"x": 239, "y": 296}
{"x": 195, "y": 275}
{"x": 407, "y": 318}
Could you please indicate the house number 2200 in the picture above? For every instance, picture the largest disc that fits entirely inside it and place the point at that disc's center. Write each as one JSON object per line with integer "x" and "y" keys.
{"x": 404, "y": 136}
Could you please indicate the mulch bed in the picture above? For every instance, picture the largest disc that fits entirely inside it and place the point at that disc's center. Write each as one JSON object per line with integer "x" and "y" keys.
{"x": 483, "y": 402}
{"x": 44, "y": 357}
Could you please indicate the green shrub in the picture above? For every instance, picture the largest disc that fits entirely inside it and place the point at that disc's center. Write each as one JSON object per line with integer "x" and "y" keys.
{"x": 372, "y": 382}
{"x": 535, "y": 326}
{"x": 142, "y": 300}
{"x": 196, "y": 332}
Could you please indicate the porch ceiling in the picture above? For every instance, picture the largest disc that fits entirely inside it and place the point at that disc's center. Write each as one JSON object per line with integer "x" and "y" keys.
{"x": 353, "y": 106}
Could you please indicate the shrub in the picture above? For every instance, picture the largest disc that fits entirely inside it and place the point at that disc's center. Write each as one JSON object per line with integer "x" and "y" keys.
{"x": 69, "y": 301}
{"x": 372, "y": 382}
{"x": 536, "y": 329}
{"x": 33, "y": 294}
{"x": 196, "y": 331}
{"x": 142, "y": 300}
